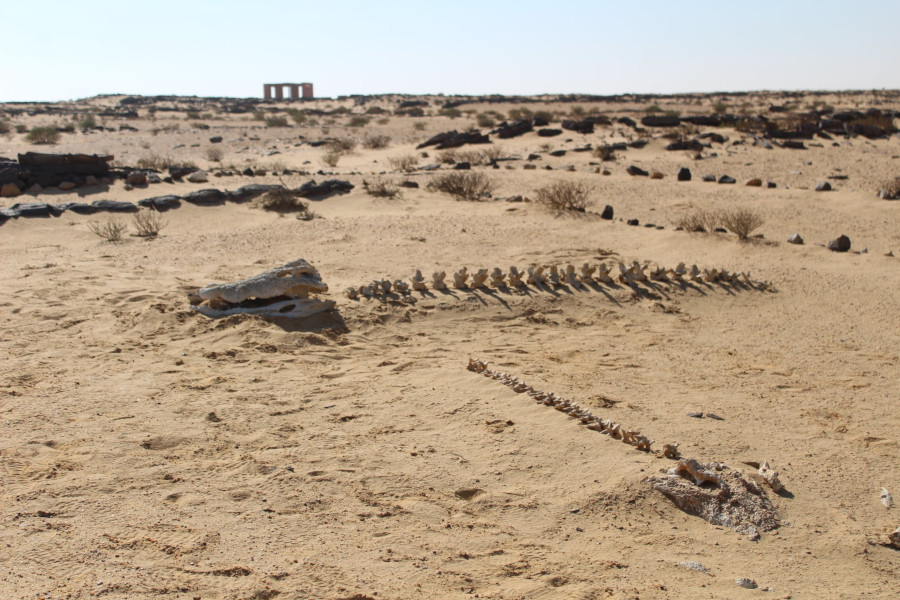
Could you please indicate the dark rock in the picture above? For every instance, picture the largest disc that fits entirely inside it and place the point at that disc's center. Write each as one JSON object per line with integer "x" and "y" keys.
{"x": 455, "y": 139}
{"x": 627, "y": 121}
{"x": 637, "y": 144}
{"x": 558, "y": 153}
{"x": 161, "y": 203}
{"x": 754, "y": 183}
{"x": 514, "y": 129}
{"x": 207, "y": 197}
{"x": 410, "y": 184}
{"x": 251, "y": 191}
{"x": 583, "y": 126}
{"x": 80, "y": 208}
{"x": 795, "y": 239}
{"x": 607, "y": 213}
{"x": 114, "y": 206}
{"x": 660, "y": 121}
{"x": 216, "y": 139}
{"x": 585, "y": 148}
{"x": 412, "y": 103}
{"x": 8, "y": 213}
{"x": 709, "y": 178}
{"x": 248, "y": 172}
{"x": 633, "y": 222}
{"x": 549, "y": 132}
{"x": 704, "y": 120}
{"x": 30, "y": 210}
{"x": 841, "y": 244}
{"x": 684, "y": 174}
{"x": 712, "y": 136}
{"x": 180, "y": 172}
{"x": 720, "y": 230}
{"x": 793, "y": 145}
{"x": 136, "y": 178}
{"x": 823, "y": 186}
{"x": 311, "y": 189}
{"x": 771, "y": 185}
{"x": 635, "y": 170}
{"x": 534, "y": 157}
{"x": 726, "y": 179}
{"x": 539, "y": 122}
{"x": 649, "y": 225}
{"x": 692, "y": 145}
{"x": 462, "y": 166}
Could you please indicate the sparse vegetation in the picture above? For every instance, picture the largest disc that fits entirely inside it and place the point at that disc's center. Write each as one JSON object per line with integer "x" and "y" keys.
{"x": 406, "y": 163}
{"x": 165, "y": 129}
{"x": 520, "y": 113}
{"x": 112, "y": 230}
{"x": 276, "y": 122}
{"x": 376, "y": 142}
{"x": 298, "y": 116}
{"x": 5, "y": 127}
{"x": 147, "y": 223}
{"x": 43, "y": 135}
{"x": 890, "y": 190}
{"x": 653, "y": 108}
{"x": 453, "y": 113}
{"x": 464, "y": 185}
{"x": 741, "y": 221}
{"x": 358, "y": 121}
{"x": 160, "y": 162}
{"x": 259, "y": 116}
{"x": 21, "y": 128}
{"x": 283, "y": 200}
{"x": 192, "y": 114}
{"x": 564, "y": 195}
{"x": 700, "y": 221}
{"x": 604, "y": 153}
{"x": 89, "y": 122}
{"x": 485, "y": 120}
{"x": 381, "y": 188}
{"x": 331, "y": 158}
{"x": 214, "y": 154}
{"x": 419, "y": 125}
{"x": 343, "y": 145}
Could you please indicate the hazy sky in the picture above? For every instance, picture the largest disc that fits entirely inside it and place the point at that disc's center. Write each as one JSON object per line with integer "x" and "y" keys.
{"x": 65, "y": 49}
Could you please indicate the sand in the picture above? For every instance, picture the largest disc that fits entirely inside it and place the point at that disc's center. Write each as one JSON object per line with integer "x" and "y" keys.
{"x": 150, "y": 452}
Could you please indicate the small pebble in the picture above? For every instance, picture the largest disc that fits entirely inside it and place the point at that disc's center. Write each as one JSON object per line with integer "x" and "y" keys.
{"x": 746, "y": 583}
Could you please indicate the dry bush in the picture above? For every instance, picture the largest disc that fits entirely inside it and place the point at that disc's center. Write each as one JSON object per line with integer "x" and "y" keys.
{"x": 741, "y": 221}
{"x": 419, "y": 126}
{"x": 358, "y": 121}
{"x": 376, "y": 142}
{"x": 464, "y": 185}
{"x": 147, "y": 223}
{"x": 299, "y": 116}
{"x": 112, "y": 230}
{"x": 330, "y": 159}
{"x": 381, "y": 188}
{"x": 700, "y": 220}
{"x": 276, "y": 122}
{"x": 5, "y": 127}
{"x": 282, "y": 200}
{"x": 215, "y": 154}
{"x": 485, "y": 120}
{"x": 160, "y": 162}
{"x": 564, "y": 195}
{"x": 341, "y": 146}
{"x": 604, "y": 153}
{"x": 890, "y": 190}
{"x": 165, "y": 129}
{"x": 450, "y": 156}
{"x": 43, "y": 135}
{"x": 406, "y": 163}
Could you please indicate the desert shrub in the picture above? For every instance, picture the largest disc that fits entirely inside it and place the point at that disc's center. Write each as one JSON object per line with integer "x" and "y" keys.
{"x": 605, "y": 153}
{"x": 419, "y": 126}
{"x": 165, "y": 129}
{"x": 375, "y": 110}
{"x": 450, "y": 156}
{"x": 564, "y": 195}
{"x": 464, "y": 185}
{"x": 66, "y": 128}
{"x": 5, "y": 127}
{"x": 259, "y": 116}
{"x": 577, "y": 111}
{"x": 653, "y": 108}
{"x": 406, "y": 163}
{"x": 342, "y": 146}
{"x": 214, "y": 154}
{"x": 376, "y": 142}
{"x": 331, "y": 158}
{"x": 383, "y": 121}
{"x": 358, "y": 121}
{"x": 282, "y": 200}
{"x": 147, "y": 223}
{"x": 890, "y": 189}
{"x": 199, "y": 125}
{"x": 298, "y": 116}
{"x": 276, "y": 122}
{"x": 340, "y": 110}
{"x": 21, "y": 128}
{"x": 89, "y": 122}
{"x": 453, "y": 113}
{"x": 192, "y": 114}
{"x": 546, "y": 115}
{"x": 112, "y": 230}
{"x": 485, "y": 120}
{"x": 700, "y": 220}
{"x": 43, "y": 135}
{"x": 520, "y": 113}
{"x": 720, "y": 107}
{"x": 741, "y": 221}
{"x": 490, "y": 153}
{"x": 381, "y": 188}
{"x": 156, "y": 161}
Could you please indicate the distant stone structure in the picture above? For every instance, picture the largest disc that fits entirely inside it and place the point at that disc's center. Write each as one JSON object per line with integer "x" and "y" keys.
{"x": 294, "y": 87}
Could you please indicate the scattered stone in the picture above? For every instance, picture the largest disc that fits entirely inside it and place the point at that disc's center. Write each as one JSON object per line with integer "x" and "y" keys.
{"x": 410, "y": 184}
{"x": 90, "y": 180}
{"x": 795, "y": 238}
{"x": 656, "y": 175}
{"x": 161, "y": 203}
{"x": 558, "y": 153}
{"x": 727, "y": 179}
{"x": 695, "y": 415}
{"x": 692, "y": 145}
{"x": 181, "y": 172}
{"x": 514, "y": 129}
{"x": 31, "y": 210}
{"x": 10, "y": 190}
{"x": 693, "y": 566}
{"x": 35, "y": 189}
{"x": 216, "y": 139}
{"x": 585, "y": 126}
{"x": 840, "y": 244}
{"x": 207, "y": 197}
{"x": 793, "y": 145}
{"x": 154, "y": 178}
{"x": 634, "y": 170}
{"x": 462, "y": 166}
{"x": 607, "y": 213}
{"x": 198, "y": 177}
{"x": 251, "y": 191}
{"x": 549, "y": 132}
{"x": 136, "y": 178}
{"x": 746, "y": 583}
{"x": 114, "y": 206}
{"x": 633, "y": 222}
{"x": 771, "y": 185}
{"x": 454, "y": 139}
{"x": 823, "y": 186}
{"x": 660, "y": 121}
{"x": 529, "y": 166}
{"x": 248, "y": 172}
{"x": 684, "y": 174}
{"x": 894, "y": 538}
{"x": 754, "y": 183}
{"x": 709, "y": 178}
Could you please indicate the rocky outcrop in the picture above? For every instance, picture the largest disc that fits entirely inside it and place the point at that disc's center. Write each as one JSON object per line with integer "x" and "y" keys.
{"x": 455, "y": 139}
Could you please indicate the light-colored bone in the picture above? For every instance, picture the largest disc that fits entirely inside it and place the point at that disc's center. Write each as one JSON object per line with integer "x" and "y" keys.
{"x": 352, "y": 293}
{"x": 659, "y": 274}
{"x": 587, "y": 272}
{"x": 642, "y": 443}
{"x": 690, "y": 468}
{"x": 296, "y": 308}
{"x": 296, "y": 279}
{"x": 367, "y": 291}
{"x": 418, "y": 281}
{"x": 894, "y": 538}
{"x": 438, "y": 280}
{"x": 460, "y": 277}
{"x": 497, "y": 277}
{"x": 710, "y": 275}
{"x": 570, "y": 278}
{"x": 603, "y": 275}
{"x": 515, "y": 277}
{"x": 671, "y": 451}
{"x": 678, "y": 272}
{"x": 479, "y": 278}
{"x": 535, "y": 276}
{"x": 694, "y": 273}
{"x": 401, "y": 287}
{"x": 770, "y": 475}
{"x": 638, "y": 271}
{"x": 886, "y": 499}
{"x": 553, "y": 276}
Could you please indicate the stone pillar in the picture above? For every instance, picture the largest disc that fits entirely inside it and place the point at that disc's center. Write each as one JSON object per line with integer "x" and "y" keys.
{"x": 279, "y": 92}
{"x": 267, "y": 91}
{"x": 307, "y": 91}
{"x": 295, "y": 91}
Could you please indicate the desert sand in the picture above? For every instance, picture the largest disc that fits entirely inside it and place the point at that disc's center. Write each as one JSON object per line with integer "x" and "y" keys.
{"x": 151, "y": 452}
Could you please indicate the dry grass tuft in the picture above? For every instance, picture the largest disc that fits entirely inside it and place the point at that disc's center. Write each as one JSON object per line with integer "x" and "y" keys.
{"x": 282, "y": 200}
{"x": 741, "y": 221}
{"x": 406, "y": 163}
{"x": 113, "y": 230}
{"x": 381, "y": 188}
{"x": 464, "y": 185}
{"x": 147, "y": 223}
{"x": 565, "y": 195}
{"x": 890, "y": 190}
{"x": 215, "y": 154}
{"x": 43, "y": 135}
{"x": 700, "y": 221}
{"x": 376, "y": 142}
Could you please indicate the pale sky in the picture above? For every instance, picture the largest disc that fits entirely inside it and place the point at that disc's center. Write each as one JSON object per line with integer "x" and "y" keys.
{"x": 68, "y": 49}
